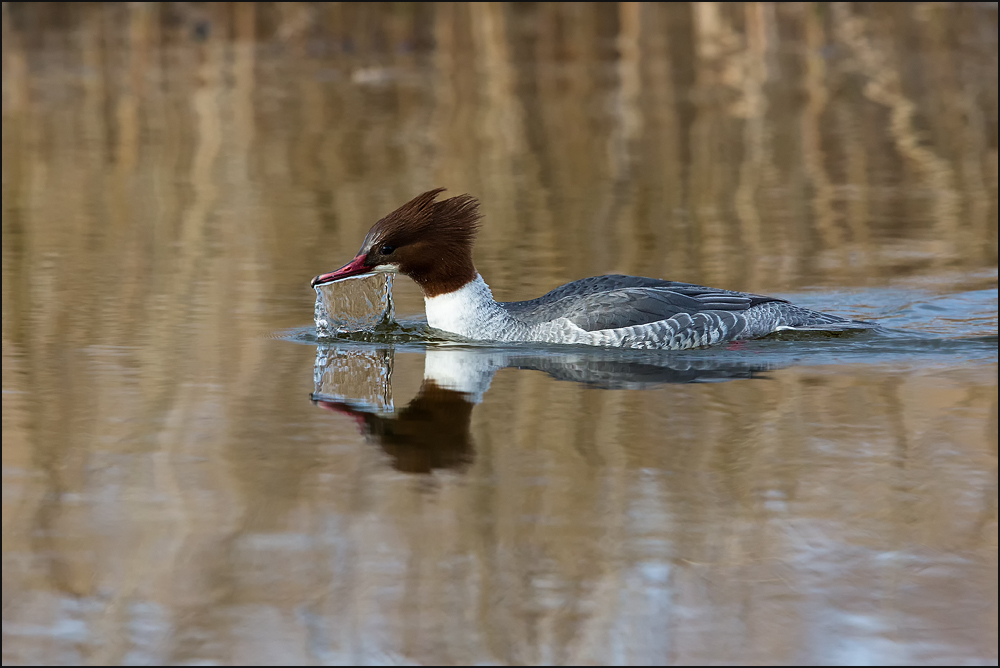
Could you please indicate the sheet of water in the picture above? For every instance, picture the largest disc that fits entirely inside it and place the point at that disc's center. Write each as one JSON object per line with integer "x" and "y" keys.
{"x": 356, "y": 304}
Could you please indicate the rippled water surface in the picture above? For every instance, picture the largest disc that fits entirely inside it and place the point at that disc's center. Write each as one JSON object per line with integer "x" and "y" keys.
{"x": 193, "y": 474}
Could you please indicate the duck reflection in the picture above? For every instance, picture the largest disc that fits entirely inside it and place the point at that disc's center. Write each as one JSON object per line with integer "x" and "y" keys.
{"x": 433, "y": 431}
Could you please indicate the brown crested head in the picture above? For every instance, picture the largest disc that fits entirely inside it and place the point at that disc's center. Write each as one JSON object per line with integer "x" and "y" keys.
{"x": 429, "y": 241}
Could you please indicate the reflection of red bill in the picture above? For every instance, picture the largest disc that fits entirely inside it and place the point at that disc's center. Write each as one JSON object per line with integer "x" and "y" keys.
{"x": 344, "y": 409}
{"x": 355, "y": 267}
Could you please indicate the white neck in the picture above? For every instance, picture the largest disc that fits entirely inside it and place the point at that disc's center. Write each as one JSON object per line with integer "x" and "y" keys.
{"x": 469, "y": 311}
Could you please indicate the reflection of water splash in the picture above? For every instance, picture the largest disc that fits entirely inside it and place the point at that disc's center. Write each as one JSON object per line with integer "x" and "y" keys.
{"x": 361, "y": 376}
{"x": 356, "y": 304}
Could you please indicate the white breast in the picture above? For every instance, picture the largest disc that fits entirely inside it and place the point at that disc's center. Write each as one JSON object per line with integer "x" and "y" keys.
{"x": 469, "y": 311}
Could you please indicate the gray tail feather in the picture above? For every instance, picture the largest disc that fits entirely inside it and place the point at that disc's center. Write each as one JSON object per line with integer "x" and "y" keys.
{"x": 840, "y": 326}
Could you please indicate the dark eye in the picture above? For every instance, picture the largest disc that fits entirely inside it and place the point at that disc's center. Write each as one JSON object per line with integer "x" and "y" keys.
{"x": 386, "y": 249}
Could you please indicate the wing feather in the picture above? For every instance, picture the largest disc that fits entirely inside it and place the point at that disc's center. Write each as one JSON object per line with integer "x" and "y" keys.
{"x": 616, "y": 301}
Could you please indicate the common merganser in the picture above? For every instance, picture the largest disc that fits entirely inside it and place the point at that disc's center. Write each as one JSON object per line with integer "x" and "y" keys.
{"x": 431, "y": 242}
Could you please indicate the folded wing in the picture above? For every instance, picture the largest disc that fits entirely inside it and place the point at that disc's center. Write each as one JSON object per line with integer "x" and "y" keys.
{"x": 614, "y": 302}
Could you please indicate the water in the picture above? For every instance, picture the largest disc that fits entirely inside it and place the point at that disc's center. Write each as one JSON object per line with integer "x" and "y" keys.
{"x": 193, "y": 474}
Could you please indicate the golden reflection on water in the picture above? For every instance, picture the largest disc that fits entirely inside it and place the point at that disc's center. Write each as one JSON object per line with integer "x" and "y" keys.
{"x": 173, "y": 175}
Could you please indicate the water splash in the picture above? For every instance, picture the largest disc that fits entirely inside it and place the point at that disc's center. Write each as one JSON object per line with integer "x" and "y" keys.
{"x": 357, "y": 304}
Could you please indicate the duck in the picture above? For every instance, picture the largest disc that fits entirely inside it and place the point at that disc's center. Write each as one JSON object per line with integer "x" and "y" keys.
{"x": 430, "y": 240}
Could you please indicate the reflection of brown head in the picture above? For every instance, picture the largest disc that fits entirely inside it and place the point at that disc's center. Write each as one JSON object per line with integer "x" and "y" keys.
{"x": 432, "y": 432}
{"x": 429, "y": 241}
